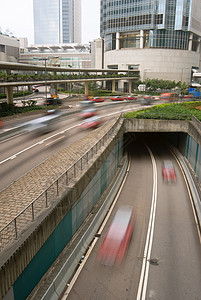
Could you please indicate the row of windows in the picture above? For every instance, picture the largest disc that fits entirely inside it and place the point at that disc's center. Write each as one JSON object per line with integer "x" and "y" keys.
{"x": 121, "y": 2}
{"x": 153, "y": 39}
{"x": 133, "y": 21}
{"x": 128, "y": 10}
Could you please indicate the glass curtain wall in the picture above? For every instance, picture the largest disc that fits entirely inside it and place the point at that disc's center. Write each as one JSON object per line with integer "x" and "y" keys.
{"x": 56, "y": 21}
{"x": 164, "y": 23}
{"x": 46, "y": 21}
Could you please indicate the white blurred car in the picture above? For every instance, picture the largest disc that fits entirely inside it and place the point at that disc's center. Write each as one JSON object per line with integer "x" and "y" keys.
{"x": 44, "y": 124}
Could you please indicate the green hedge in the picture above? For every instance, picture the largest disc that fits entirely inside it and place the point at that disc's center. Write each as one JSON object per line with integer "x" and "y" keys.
{"x": 15, "y": 95}
{"x": 178, "y": 111}
{"x": 10, "y": 109}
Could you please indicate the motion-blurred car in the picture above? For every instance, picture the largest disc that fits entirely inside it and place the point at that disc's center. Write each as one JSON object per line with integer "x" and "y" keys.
{"x": 188, "y": 97}
{"x": 168, "y": 171}
{"x": 87, "y": 113}
{"x": 1, "y": 124}
{"x": 43, "y": 124}
{"x": 171, "y": 97}
{"x": 117, "y": 239}
{"x": 117, "y": 98}
{"x": 130, "y": 97}
{"x": 97, "y": 99}
{"x": 146, "y": 100}
{"x": 91, "y": 123}
{"x": 35, "y": 88}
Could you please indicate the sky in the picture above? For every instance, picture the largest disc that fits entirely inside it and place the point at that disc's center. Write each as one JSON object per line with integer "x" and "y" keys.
{"x": 16, "y": 16}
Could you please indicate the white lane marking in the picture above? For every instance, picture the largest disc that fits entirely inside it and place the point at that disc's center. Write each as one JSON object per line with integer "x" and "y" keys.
{"x": 54, "y": 141}
{"x": 36, "y": 144}
{"x": 142, "y": 288}
{"x": 50, "y": 137}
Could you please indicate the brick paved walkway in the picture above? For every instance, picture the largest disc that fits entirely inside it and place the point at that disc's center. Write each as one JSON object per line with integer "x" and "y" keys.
{"x": 19, "y": 194}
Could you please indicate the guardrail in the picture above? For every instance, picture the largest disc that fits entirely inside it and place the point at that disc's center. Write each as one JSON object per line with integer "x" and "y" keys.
{"x": 12, "y": 230}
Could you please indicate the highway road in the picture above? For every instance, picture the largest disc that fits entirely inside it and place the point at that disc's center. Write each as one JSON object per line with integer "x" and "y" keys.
{"x": 171, "y": 266}
{"x": 163, "y": 260}
{"x": 23, "y": 152}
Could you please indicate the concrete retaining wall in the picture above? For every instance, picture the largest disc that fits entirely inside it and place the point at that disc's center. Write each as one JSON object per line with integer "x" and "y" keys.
{"x": 24, "y": 249}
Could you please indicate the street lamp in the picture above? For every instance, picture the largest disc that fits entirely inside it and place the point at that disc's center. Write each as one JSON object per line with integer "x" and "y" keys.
{"x": 70, "y": 66}
{"x": 46, "y": 81}
{"x": 45, "y": 59}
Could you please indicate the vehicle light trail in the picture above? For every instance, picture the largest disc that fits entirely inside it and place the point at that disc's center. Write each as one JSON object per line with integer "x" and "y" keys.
{"x": 149, "y": 240}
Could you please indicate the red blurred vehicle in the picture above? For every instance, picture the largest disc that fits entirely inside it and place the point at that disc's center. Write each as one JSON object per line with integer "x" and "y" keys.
{"x": 169, "y": 97}
{"x": 168, "y": 171}
{"x": 117, "y": 98}
{"x": 117, "y": 239}
{"x": 91, "y": 123}
{"x": 130, "y": 98}
{"x": 87, "y": 113}
{"x": 1, "y": 124}
{"x": 97, "y": 99}
{"x": 35, "y": 88}
{"x": 188, "y": 97}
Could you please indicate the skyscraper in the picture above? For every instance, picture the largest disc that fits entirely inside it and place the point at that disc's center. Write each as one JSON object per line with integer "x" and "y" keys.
{"x": 163, "y": 36}
{"x": 57, "y": 21}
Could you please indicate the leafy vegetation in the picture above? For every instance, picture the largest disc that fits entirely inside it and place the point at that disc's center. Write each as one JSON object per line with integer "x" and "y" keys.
{"x": 17, "y": 94}
{"x": 15, "y": 77}
{"x": 168, "y": 111}
{"x": 155, "y": 86}
{"x": 9, "y": 109}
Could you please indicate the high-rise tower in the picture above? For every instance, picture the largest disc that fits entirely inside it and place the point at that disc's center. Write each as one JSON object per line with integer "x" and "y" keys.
{"x": 57, "y": 21}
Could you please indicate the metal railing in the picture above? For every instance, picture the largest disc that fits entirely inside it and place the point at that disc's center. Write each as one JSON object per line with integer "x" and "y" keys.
{"x": 12, "y": 230}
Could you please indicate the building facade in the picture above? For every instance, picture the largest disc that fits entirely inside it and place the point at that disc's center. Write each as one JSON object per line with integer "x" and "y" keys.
{"x": 61, "y": 55}
{"x": 9, "y": 48}
{"x": 159, "y": 37}
{"x": 57, "y": 21}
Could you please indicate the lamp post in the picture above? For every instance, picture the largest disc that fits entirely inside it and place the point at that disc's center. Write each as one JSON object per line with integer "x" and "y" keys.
{"x": 70, "y": 66}
{"x": 46, "y": 82}
{"x": 45, "y": 59}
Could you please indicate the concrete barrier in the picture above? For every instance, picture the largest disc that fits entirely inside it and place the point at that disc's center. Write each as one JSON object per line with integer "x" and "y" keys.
{"x": 192, "y": 186}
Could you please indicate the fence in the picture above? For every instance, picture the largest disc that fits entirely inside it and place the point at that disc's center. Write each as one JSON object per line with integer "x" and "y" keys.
{"x": 12, "y": 230}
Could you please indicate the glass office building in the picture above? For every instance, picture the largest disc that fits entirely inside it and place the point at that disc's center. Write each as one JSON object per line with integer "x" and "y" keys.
{"x": 57, "y": 21}
{"x": 151, "y": 24}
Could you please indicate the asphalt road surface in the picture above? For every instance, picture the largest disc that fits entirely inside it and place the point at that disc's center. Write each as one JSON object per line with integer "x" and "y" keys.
{"x": 23, "y": 152}
{"x": 174, "y": 262}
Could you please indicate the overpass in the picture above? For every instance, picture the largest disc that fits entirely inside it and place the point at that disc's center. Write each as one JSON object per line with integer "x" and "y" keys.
{"x": 41, "y": 227}
{"x": 99, "y": 75}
